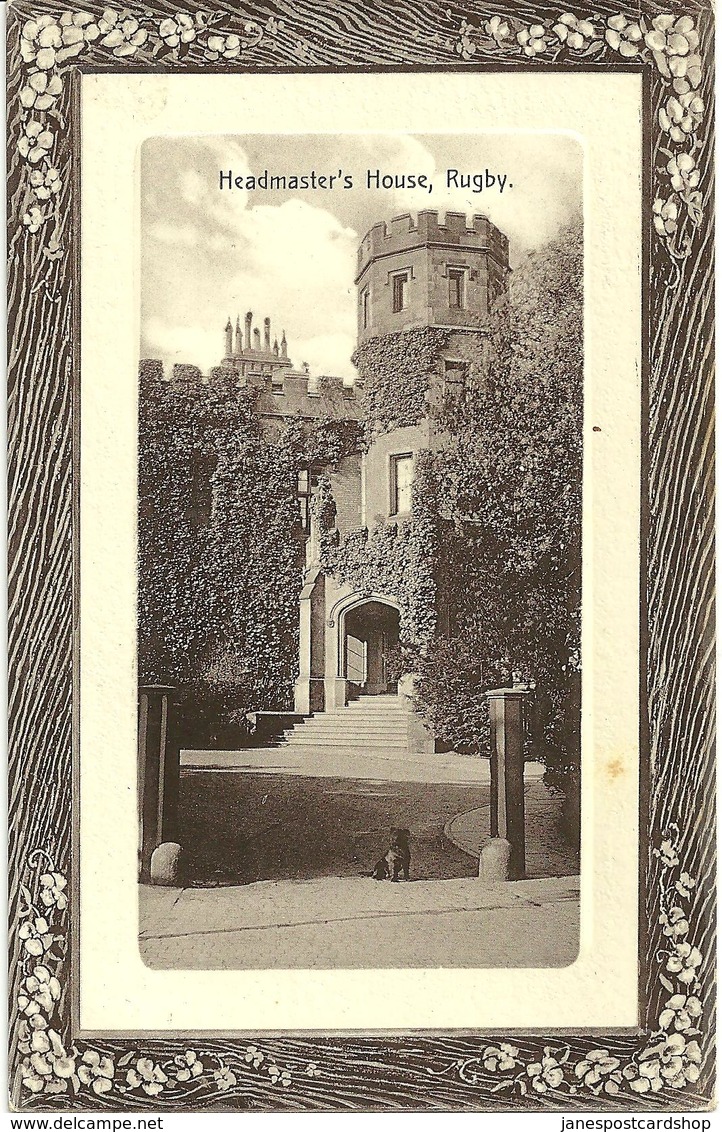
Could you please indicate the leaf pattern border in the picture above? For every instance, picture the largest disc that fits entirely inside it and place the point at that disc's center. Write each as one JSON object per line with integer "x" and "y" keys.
{"x": 52, "y": 1070}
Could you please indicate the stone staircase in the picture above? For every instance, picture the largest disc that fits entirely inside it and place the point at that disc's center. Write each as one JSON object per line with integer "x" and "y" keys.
{"x": 372, "y": 724}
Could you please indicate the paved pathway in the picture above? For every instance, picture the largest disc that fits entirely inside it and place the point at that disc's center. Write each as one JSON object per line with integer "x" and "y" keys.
{"x": 358, "y": 922}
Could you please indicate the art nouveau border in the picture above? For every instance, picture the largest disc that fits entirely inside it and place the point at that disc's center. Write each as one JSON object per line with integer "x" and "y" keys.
{"x": 670, "y": 1062}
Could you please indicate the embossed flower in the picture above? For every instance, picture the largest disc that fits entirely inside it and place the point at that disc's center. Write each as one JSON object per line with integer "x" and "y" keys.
{"x": 576, "y": 33}
{"x": 684, "y": 961}
{"x": 223, "y": 47}
{"x": 39, "y": 41}
{"x": 76, "y": 30}
{"x": 597, "y": 1065}
{"x": 673, "y": 43}
{"x": 674, "y": 923}
{"x": 498, "y": 29}
{"x": 177, "y": 29}
{"x": 33, "y": 218}
{"x": 278, "y": 1076}
{"x": 667, "y": 853}
{"x": 47, "y": 42}
{"x": 680, "y": 1011}
{"x": 224, "y": 1078}
{"x": 42, "y": 988}
{"x": 273, "y": 26}
{"x": 673, "y": 1062}
{"x": 36, "y": 141}
{"x": 679, "y": 118}
{"x": 253, "y": 1056}
{"x": 121, "y": 32}
{"x": 624, "y": 36}
{"x": 52, "y": 885}
{"x": 147, "y": 1076}
{"x": 501, "y": 1057}
{"x": 465, "y": 46}
{"x": 665, "y": 216}
{"x": 686, "y": 883}
{"x": 545, "y": 1074}
{"x": 683, "y": 172}
{"x": 312, "y": 1069}
{"x": 36, "y": 936}
{"x": 49, "y": 1069}
{"x": 189, "y": 1065}
{"x": 532, "y": 40}
{"x": 96, "y": 1071}
{"x": 87, "y": 24}
{"x": 40, "y": 91}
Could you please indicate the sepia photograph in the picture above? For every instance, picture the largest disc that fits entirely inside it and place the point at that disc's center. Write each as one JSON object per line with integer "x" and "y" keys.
{"x": 359, "y": 551}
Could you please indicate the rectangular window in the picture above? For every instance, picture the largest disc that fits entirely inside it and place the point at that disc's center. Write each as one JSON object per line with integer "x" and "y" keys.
{"x": 455, "y": 378}
{"x": 456, "y": 288}
{"x": 400, "y": 286}
{"x": 402, "y": 477}
{"x": 365, "y": 307}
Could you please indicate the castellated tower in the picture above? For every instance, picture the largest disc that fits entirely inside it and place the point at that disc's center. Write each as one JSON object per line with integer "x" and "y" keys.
{"x": 428, "y": 273}
{"x": 425, "y": 292}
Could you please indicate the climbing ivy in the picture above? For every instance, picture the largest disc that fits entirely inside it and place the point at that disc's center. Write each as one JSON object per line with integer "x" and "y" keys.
{"x": 395, "y": 371}
{"x": 396, "y": 559}
{"x": 220, "y": 548}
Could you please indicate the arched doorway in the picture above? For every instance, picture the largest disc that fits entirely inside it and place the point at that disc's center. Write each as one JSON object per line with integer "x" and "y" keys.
{"x": 369, "y": 632}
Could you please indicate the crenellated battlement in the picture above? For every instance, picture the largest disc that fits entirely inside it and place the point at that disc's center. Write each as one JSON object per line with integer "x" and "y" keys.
{"x": 403, "y": 233}
{"x": 285, "y": 393}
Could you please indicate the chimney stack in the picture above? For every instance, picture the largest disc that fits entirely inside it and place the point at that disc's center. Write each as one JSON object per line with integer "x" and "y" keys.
{"x": 238, "y": 335}
{"x": 229, "y": 338}
{"x": 275, "y": 346}
{"x": 249, "y": 320}
{"x": 256, "y": 339}
{"x": 267, "y": 335}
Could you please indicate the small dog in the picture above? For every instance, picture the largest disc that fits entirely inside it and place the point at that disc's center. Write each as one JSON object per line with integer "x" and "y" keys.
{"x": 396, "y": 860}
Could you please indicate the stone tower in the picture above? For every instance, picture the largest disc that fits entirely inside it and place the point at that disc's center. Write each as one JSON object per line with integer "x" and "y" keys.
{"x": 425, "y": 292}
{"x": 427, "y": 273}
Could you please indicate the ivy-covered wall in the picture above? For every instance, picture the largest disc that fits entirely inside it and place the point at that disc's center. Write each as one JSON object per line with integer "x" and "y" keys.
{"x": 396, "y": 371}
{"x": 220, "y": 546}
{"x": 397, "y": 559}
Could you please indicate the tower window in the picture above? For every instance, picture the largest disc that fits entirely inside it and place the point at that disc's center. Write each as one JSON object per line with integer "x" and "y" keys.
{"x": 456, "y": 375}
{"x": 303, "y": 491}
{"x": 400, "y": 291}
{"x": 365, "y": 307}
{"x": 402, "y": 477}
{"x": 456, "y": 288}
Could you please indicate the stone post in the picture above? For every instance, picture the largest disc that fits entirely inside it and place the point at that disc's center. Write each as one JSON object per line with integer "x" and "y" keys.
{"x": 158, "y": 783}
{"x": 505, "y": 853}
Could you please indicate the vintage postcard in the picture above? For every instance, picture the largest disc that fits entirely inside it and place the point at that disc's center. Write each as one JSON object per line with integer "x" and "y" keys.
{"x": 361, "y": 701}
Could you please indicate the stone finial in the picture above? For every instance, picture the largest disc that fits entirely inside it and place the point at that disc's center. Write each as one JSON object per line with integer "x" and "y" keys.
{"x": 229, "y": 338}
{"x": 275, "y": 346}
{"x": 239, "y": 344}
{"x": 284, "y": 345}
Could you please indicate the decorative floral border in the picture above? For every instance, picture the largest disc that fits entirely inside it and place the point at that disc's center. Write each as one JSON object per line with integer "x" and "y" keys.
{"x": 52, "y": 1068}
{"x": 670, "y": 43}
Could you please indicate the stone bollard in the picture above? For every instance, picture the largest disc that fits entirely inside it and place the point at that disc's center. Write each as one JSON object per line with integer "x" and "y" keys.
{"x": 158, "y": 782}
{"x": 495, "y": 860}
{"x": 507, "y": 780}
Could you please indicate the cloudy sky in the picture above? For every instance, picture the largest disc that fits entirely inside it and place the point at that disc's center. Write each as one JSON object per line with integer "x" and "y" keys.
{"x": 208, "y": 253}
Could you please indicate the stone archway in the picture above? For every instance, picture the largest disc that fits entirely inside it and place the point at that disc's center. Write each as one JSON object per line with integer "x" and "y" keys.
{"x": 368, "y": 632}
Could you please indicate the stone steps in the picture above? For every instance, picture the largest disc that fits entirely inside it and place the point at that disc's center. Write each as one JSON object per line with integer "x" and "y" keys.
{"x": 378, "y": 723}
